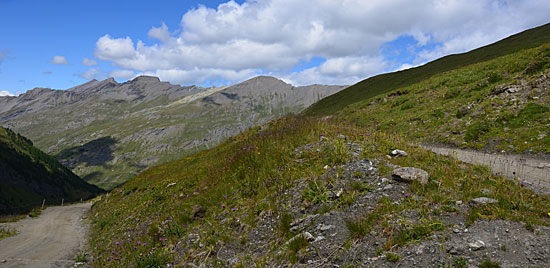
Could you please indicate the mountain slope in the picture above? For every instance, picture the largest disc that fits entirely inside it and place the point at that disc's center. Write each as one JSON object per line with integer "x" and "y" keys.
{"x": 502, "y": 105}
{"x": 384, "y": 83}
{"x": 27, "y": 176}
{"x": 107, "y": 132}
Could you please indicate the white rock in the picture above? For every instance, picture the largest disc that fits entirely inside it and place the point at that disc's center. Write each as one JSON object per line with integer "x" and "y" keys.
{"x": 483, "y": 201}
{"x": 477, "y": 245}
{"x": 397, "y": 152}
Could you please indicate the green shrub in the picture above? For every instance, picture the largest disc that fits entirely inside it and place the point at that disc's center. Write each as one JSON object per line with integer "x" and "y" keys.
{"x": 487, "y": 263}
{"x": 392, "y": 257}
{"x": 475, "y": 130}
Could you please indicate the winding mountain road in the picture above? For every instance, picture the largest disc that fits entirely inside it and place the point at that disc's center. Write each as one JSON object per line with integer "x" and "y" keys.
{"x": 51, "y": 240}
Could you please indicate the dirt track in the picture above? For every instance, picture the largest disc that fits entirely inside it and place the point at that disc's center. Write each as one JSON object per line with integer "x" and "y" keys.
{"x": 531, "y": 171}
{"x": 51, "y": 240}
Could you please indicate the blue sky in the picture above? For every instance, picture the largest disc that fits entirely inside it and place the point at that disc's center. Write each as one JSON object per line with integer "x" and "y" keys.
{"x": 221, "y": 42}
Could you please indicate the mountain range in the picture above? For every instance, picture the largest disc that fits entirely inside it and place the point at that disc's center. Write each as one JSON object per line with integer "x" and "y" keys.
{"x": 107, "y": 132}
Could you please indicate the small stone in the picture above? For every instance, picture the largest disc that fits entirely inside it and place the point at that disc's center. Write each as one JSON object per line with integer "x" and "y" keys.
{"x": 399, "y": 153}
{"x": 319, "y": 238}
{"x": 477, "y": 245}
{"x": 170, "y": 185}
{"x": 3, "y": 261}
{"x": 459, "y": 202}
{"x": 410, "y": 174}
{"x": 326, "y": 167}
{"x": 483, "y": 201}
{"x": 388, "y": 187}
{"x": 340, "y": 192}
{"x": 323, "y": 227}
{"x": 308, "y": 236}
{"x": 456, "y": 231}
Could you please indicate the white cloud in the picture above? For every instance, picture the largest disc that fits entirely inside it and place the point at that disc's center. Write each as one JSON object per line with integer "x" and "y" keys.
{"x": 90, "y": 73}
{"x": 235, "y": 40}
{"x": 122, "y": 74}
{"x": 59, "y": 60}
{"x": 114, "y": 49}
{"x": 5, "y": 93}
{"x": 89, "y": 62}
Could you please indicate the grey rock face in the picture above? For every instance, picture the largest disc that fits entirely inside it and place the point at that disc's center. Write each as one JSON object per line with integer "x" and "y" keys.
{"x": 409, "y": 174}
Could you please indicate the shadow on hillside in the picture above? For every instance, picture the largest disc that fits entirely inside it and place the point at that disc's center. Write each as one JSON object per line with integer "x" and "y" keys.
{"x": 94, "y": 153}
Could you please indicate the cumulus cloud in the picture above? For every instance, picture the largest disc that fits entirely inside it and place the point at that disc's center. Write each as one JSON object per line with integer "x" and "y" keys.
{"x": 5, "y": 93}
{"x": 89, "y": 74}
{"x": 122, "y": 74}
{"x": 59, "y": 60}
{"x": 89, "y": 62}
{"x": 235, "y": 41}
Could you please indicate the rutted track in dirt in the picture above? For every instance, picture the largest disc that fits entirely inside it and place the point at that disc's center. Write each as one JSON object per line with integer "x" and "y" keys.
{"x": 531, "y": 171}
{"x": 51, "y": 240}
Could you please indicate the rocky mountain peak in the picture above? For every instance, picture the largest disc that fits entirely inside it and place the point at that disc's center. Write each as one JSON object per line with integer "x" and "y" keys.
{"x": 146, "y": 79}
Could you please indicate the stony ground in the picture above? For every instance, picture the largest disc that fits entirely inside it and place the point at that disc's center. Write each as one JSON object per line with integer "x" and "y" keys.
{"x": 481, "y": 244}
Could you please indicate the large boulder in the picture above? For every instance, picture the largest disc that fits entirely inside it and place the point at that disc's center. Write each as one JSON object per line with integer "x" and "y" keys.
{"x": 409, "y": 174}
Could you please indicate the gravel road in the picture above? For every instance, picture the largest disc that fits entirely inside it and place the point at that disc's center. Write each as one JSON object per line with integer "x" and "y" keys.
{"x": 534, "y": 172}
{"x": 51, "y": 240}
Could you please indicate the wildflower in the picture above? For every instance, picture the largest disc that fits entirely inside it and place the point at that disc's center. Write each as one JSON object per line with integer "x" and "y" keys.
{"x": 522, "y": 185}
{"x": 225, "y": 197}
{"x": 116, "y": 243}
{"x": 139, "y": 242}
{"x": 406, "y": 195}
{"x": 223, "y": 205}
{"x": 108, "y": 259}
{"x": 234, "y": 209}
{"x": 144, "y": 244}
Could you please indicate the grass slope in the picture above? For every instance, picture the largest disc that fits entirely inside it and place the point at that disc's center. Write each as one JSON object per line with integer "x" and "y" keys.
{"x": 384, "y": 83}
{"x": 28, "y": 175}
{"x": 499, "y": 105}
{"x": 187, "y": 210}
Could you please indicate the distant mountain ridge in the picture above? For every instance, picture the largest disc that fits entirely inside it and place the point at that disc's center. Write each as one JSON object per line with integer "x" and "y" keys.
{"x": 107, "y": 131}
{"x": 27, "y": 176}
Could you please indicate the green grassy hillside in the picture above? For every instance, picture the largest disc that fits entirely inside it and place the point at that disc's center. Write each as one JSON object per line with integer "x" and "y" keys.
{"x": 384, "y": 83}
{"x": 502, "y": 105}
{"x": 28, "y": 175}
